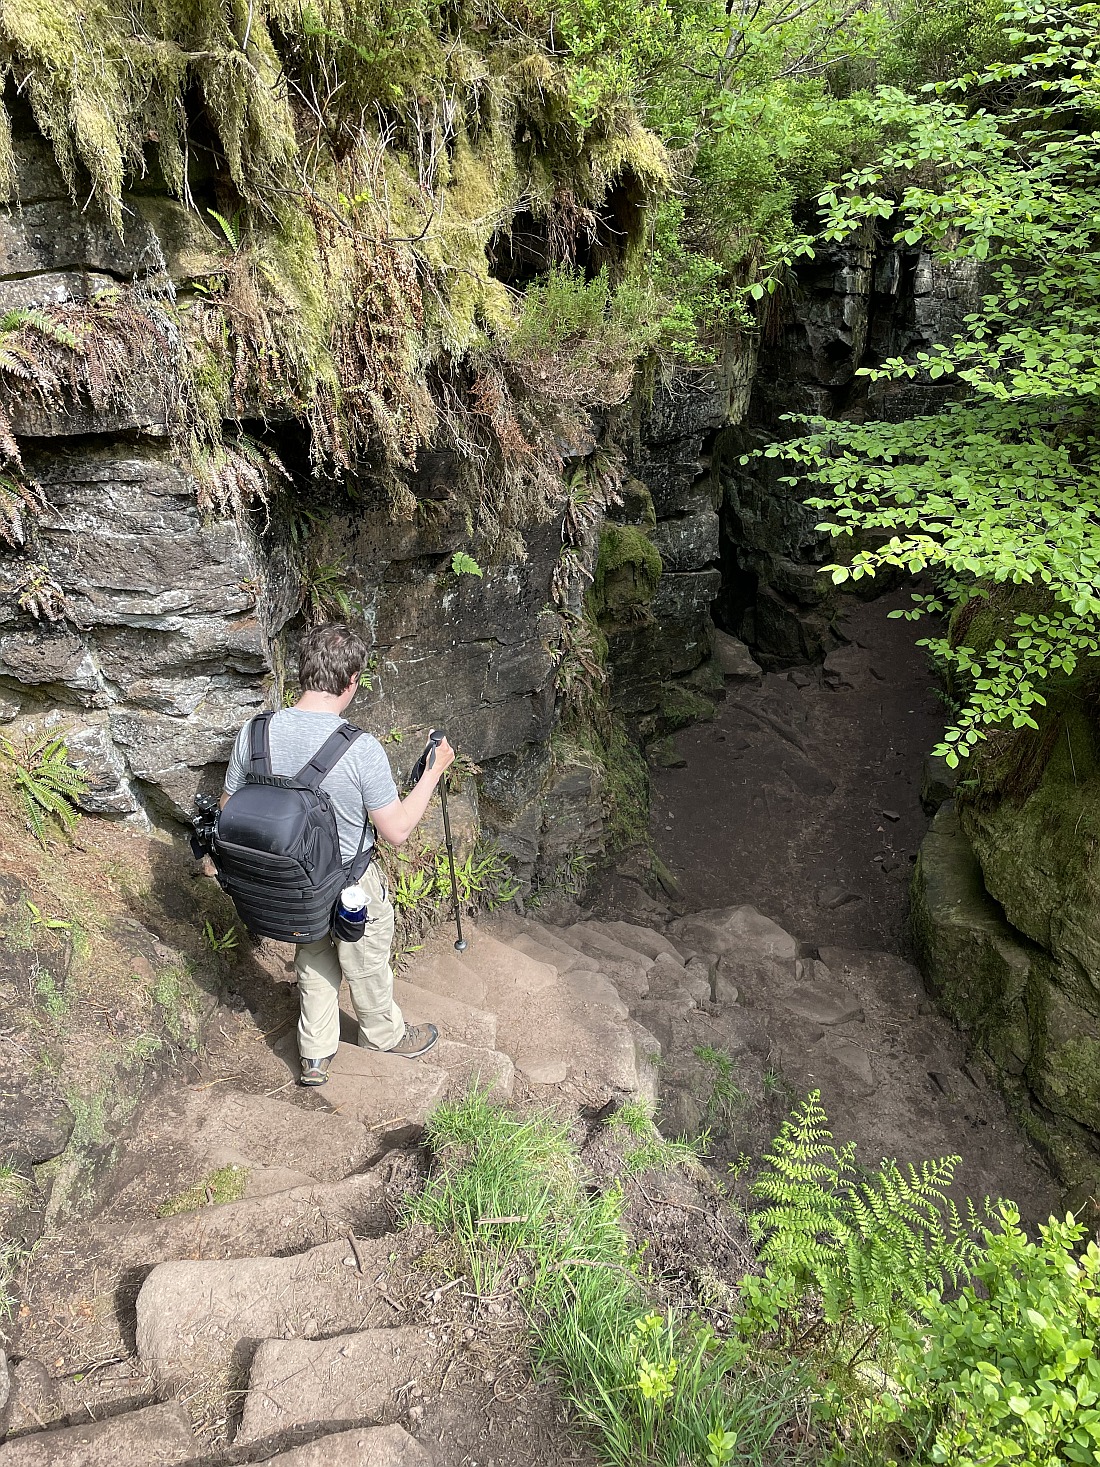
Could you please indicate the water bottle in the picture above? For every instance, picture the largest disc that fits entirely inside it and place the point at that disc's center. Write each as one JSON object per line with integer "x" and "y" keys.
{"x": 351, "y": 914}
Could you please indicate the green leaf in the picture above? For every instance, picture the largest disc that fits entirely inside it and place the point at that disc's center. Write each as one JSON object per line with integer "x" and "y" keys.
{"x": 465, "y": 565}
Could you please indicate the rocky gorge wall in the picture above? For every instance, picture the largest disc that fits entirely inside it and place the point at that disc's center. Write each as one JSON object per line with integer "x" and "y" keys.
{"x": 147, "y": 626}
{"x": 1006, "y": 906}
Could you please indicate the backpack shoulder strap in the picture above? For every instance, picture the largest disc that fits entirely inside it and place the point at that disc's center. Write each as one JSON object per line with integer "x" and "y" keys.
{"x": 327, "y": 756}
{"x": 259, "y": 743}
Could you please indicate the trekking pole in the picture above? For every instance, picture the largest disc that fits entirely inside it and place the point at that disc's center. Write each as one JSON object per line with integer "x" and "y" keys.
{"x": 426, "y": 760}
{"x": 460, "y": 945}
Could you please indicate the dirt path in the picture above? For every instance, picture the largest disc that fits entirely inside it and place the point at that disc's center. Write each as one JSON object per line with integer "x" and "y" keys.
{"x": 785, "y": 791}
{"x": 802, "y": 801}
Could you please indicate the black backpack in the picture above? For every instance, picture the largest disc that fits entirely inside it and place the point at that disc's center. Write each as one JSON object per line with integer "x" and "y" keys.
{"x": 276, "y": 846}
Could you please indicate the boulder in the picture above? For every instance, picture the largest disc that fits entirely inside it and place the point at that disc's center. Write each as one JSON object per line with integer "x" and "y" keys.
{"x": 734, "y": 658}
{"x": 740, "y": 933}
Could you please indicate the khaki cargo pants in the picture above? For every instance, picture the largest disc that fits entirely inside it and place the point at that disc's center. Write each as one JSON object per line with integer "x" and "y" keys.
{"x": 366, "y": 965}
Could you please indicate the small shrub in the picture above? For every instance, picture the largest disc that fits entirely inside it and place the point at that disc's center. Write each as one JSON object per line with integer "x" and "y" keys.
{"x": 1007, "y": 1371}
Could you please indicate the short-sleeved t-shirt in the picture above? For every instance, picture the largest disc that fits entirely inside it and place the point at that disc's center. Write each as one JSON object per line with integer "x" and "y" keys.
{"x": 362, "y": 780}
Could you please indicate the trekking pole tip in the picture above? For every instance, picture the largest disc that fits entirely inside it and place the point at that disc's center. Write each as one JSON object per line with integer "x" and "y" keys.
{"x": 460, "y": 945}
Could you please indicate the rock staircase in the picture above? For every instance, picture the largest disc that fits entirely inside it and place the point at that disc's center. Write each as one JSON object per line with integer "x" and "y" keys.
{"x": 269, "y": 1319}
{"x": 269, "y": 1314}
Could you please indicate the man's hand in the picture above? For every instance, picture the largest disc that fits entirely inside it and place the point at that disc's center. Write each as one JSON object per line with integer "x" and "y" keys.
{"x": 396, "y": 822}
{"x": 437, "y": 757}
{"x": 444, "y": 756}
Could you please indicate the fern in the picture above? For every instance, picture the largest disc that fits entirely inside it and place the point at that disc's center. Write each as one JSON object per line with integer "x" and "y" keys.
{"x": 228, "y": 228}
{"x": 872, "y": 1243}
{"x": 46, "y": 784}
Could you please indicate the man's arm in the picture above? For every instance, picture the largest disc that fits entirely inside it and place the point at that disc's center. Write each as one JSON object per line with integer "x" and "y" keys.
{"x": 397, "y": 821}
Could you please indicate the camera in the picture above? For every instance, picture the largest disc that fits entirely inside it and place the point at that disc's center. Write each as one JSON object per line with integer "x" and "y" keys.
{"x": 203, "y": 821}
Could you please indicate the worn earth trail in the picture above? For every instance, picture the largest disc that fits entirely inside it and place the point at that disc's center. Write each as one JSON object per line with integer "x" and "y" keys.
{"x": 802, "y": 799}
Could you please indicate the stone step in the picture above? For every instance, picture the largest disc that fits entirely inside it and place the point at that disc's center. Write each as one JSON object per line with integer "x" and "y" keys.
{"x": 551, "y": 936}
{"x": 276, "y": 1222}
{"x": 262, "y": 1181}
{"x": 629, "y": 975}
{"x": 553, "y": 1025}
{"x": 448, "y": 975}
{"x": 644, "y": 940}
{"x": 470, "y": 1065}
{"x": 362, "y": 1376}
{"x": 197, "y": 1320}
{"x": 186, "y": 1133}
{"x": 566, "y": 1034}
{"x": 462, "y": 1022}
{"x": 590, "y": 938}
{"x": 564, "y": 959}
{"x": 364, "y": 1446}
{"x": 390, "y": 1095}
{"x": 257, "y": 1131}
{"x": 499, "y": 974}
{"x": 158, "y": 1436}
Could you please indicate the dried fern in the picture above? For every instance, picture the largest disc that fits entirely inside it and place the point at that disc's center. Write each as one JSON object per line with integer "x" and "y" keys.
{"x": 45, "y": 782}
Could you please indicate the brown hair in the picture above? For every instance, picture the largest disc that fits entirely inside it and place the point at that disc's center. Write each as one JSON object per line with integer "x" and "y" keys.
{"x": 329, "y": 658}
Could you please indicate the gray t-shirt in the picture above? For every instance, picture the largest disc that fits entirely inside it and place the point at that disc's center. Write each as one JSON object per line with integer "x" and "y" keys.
{"x": 361, "y": 781}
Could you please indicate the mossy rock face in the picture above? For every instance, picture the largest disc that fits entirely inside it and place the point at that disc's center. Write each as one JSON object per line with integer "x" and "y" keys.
{"x": 627, "y": 572}
{"x": 682, "y": 705}
{"x": 637, "y": 505}
{"x": 1039, "y": 849}
{"x": 975, "y": 964}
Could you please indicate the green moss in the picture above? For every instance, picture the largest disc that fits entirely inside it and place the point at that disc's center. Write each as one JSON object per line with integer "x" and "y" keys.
{"x": 1071, "y": 1074}
{"x": 227, "y": 1184}
{"x": 637, "y": 504}
{"x": 627, "y": 572}
{"x": 628, "y": 789}
{"x": 683, "y": 705}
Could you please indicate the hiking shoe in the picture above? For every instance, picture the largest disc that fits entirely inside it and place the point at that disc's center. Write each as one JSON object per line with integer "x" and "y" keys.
{"x": 315, "y": 1071}
{"x": 418, "y": 1039}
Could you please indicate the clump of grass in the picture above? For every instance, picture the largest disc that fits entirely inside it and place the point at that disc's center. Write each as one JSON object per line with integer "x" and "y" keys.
{"x": 227, "y": 1184}
{"x": 724, "y": 1099}
{"x": 15, "y": 1187}
{"x": 652, "y": 1152}
{"x": 173, "y": 994}
{"x": 653, "y": 1387}
{"x": 11, "y": 1256}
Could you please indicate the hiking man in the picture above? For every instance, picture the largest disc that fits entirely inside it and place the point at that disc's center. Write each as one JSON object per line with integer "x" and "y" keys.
{"x": 362, "y": 791}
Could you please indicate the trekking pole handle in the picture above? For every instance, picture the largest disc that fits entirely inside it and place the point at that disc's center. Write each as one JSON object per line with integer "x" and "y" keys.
{"x": 427, "y": 759}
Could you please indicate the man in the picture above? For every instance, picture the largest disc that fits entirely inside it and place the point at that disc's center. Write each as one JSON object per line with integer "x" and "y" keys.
{"x": 362, "y": 791}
